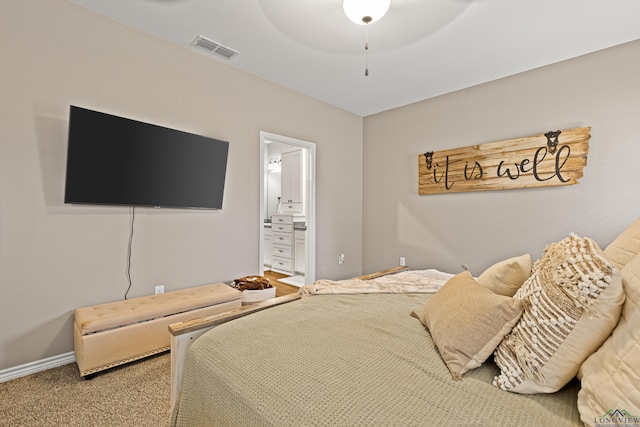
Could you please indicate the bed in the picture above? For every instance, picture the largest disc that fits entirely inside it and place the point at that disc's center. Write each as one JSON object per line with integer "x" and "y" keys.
{"x": 338, "y": 356}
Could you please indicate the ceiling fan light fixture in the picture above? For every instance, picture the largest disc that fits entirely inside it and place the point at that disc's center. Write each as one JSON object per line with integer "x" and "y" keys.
{"x": 364, "y": 12}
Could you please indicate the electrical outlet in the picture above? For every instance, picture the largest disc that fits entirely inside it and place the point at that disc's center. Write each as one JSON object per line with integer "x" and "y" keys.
{"x": 159, "y": 289}
{"x": 341, "y": 259}
{"x": 403, "y": 261}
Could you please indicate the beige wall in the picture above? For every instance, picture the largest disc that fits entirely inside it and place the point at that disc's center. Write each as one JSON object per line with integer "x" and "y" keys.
{"x": 55, "y": 257}
{"x": 600, "y": 90}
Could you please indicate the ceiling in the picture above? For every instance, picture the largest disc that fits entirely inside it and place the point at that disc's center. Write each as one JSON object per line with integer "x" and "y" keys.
{"x": 418, "y": 50}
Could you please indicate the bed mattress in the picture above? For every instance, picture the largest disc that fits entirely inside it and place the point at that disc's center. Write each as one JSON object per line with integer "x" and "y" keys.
{"x": 346, "y": 360}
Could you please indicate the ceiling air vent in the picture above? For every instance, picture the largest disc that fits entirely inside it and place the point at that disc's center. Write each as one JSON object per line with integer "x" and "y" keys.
{"x": 215, "y": 48}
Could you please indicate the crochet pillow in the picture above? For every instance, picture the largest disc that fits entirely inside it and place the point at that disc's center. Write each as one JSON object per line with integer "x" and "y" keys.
{"x": 572, "y": 303}
{"x": 467, "y": 322}
{"x": 611, "y": 376}
{"x": 506, "y": 277}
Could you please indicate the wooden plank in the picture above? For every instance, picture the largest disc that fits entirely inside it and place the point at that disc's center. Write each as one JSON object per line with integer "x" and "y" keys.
{"x": 383, "y": 272}
{"x": 528, "y": 162}
{"x": 218, "y": 319}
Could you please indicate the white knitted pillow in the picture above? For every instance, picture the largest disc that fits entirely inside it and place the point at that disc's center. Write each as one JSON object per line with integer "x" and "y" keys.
{"x": 572, "y": 303}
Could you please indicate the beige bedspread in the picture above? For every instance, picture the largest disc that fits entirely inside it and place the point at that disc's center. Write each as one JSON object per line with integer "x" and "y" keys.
{"x": 346, "y": 360}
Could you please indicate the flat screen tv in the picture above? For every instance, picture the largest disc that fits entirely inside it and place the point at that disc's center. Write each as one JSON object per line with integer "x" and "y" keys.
{"x": 113, "y": 160}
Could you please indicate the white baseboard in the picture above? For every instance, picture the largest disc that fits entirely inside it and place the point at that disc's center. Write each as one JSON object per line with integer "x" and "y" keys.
{"x": 37, "y": 366}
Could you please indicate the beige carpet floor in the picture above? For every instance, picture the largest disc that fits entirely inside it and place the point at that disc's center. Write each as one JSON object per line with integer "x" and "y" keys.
{"x": 137, "y": 394}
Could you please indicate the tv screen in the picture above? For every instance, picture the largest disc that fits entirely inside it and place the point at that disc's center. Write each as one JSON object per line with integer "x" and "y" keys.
{"x": 113, "y": 160}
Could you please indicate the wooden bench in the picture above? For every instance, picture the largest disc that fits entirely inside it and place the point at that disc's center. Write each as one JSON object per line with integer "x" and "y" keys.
{"x": 111, "y": 334}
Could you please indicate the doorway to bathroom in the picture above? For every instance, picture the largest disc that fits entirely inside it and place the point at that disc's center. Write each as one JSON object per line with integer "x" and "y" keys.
{"x": 287, "y": 208}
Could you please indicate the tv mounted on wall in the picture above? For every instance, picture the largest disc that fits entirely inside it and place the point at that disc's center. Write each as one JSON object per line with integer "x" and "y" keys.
{"x": 113, "y": 160}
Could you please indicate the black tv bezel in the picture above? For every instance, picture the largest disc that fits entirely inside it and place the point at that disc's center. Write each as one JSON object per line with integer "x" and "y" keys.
{"x": 71, "y": 197}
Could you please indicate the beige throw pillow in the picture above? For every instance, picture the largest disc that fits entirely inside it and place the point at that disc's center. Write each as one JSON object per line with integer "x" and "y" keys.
{"x": 611, "y": 376}
{"x": 572, "y": 303}
{"x": 467, "y": 322}
{"x": 506, "y": 277}
{"x": 625, "y": 246}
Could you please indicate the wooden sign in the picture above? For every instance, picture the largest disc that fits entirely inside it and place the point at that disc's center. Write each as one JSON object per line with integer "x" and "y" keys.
{"x": 550, "y": 159}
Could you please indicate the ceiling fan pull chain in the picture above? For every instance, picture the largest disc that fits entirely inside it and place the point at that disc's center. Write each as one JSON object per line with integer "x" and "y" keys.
{"x": 366, "y": 49}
